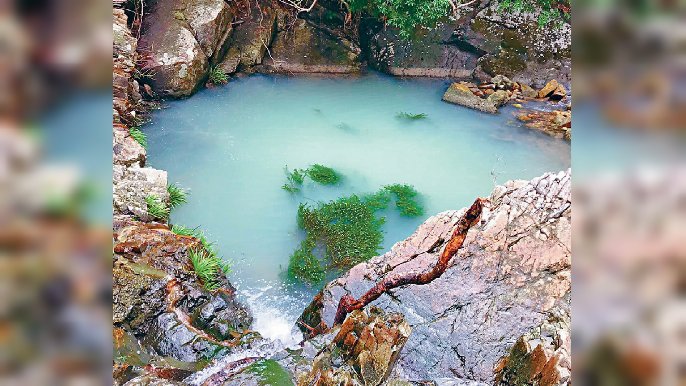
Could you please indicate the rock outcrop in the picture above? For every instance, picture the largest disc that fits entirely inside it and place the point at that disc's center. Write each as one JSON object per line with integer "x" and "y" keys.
{"x": 160, "y": 305}
{"x": 180, "y": 40}
{"x": 363, "y": 350}
{"x": 305, "y": 48}
{"x": 511, "y": 279}
{"x": 252, "y": 37}
{"x": 477, "y": 45}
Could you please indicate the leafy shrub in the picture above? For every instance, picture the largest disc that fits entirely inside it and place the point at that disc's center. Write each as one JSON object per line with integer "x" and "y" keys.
{"x": 410, "y": 116}
{"x": 138, "y": 136}
{"x": 218, "y": 76}
{"x": 177, "y": 196}
{"x": 156, "y": 208}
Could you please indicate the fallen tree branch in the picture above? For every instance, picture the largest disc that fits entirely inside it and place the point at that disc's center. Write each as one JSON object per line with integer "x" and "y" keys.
{"x": 348, "y": 304}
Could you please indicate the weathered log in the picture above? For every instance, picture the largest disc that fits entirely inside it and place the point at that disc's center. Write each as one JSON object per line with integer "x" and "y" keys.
{"x": 347, "y": 304}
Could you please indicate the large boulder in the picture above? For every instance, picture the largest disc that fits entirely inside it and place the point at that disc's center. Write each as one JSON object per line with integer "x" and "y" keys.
{"x": 511, "y": 278}
{"x": 251, "y": 38}
{"x": 179, "y": 40}
{"x": 304, "y": 48}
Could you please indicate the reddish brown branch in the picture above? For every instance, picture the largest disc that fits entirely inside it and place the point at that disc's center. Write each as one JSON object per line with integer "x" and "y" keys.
{"x": 348, "y": 304}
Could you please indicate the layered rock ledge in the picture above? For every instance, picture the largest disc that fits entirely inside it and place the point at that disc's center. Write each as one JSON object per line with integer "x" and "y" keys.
{"x": 511, "y": 280}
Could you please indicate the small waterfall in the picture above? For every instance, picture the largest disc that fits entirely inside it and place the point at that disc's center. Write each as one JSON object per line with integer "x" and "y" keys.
{"x": 275, "y": 310}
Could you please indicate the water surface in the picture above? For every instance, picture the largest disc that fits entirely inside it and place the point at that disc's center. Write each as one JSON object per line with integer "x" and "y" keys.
{"x": 229, "y": 146}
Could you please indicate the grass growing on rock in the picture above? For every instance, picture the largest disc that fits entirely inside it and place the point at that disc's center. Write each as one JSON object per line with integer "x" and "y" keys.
{"x": 208, "y": 267}
{"x": 177, "y": 196}
{"x": 156, "y": 208}
{"x": 138, "y": 136}
{"x": 207, "y": 263}
{"x": 411, "y": 116}
{"x": 218, "y": 76}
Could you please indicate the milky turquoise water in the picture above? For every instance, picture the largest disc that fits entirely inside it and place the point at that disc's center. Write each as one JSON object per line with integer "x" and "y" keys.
{"x": 229, "y": 146}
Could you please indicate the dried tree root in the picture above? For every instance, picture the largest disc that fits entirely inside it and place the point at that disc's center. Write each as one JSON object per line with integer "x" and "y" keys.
{"x": 348, "y": 304}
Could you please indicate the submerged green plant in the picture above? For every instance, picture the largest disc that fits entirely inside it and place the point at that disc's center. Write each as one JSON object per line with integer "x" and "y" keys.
{"x": 294, "y": 179}
{"x": 410, "y": 116}
{"x": 218, "y": 76}
{"x": 208, "y": 267}
{"x": 156, "y": 208}
{"x": 406, "y": 199}
{"x": 177, "y": 196}
{"x": 323, "y": 174}
{"x": 348, "y": 230}
{"x": 318, "y": 173}
{"x": 138, "y": 136}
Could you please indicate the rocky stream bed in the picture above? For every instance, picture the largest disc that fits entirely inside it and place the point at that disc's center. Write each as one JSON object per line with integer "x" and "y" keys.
{"x": 499, "y": 314}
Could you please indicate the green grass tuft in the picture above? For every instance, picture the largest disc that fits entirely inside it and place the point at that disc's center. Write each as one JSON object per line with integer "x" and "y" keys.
{"x": 406, "y": 199}
{"x": 138, "y": 136}
{"x": 294, "y": 179}
{"x": 208, "y": 267}
{"x": 156, "y": 208}
{"x": 323, "y": 174}
{"x": 410, "y": 116}
{"x": 177, "y": 196}
{"x": 218, "y": 76}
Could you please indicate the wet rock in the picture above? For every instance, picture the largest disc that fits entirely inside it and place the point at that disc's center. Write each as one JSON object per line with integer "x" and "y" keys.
{"x": 548, "y": 89}
{"x": 499, "y": 98}
{"x": 501, "y": 82}
{"x": 151, "y": 380}
{"x": 132, "y": 184}
{"x": 304, "y": 48}
{"x": 126, "y": 151}
{"x": 148, "y": 258}
{"x": 460, "y": 94}
{"x": 512, "y": 276}
{"x": 527, "y": 91}
{"x": 363, "y": 350}
{"x": 554, "y": 123}
{"x": 559, "y": 93}
{"x": 250, "y": 39}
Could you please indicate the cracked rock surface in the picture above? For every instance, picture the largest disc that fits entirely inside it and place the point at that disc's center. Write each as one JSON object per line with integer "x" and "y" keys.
{"x": 511, "y": 279}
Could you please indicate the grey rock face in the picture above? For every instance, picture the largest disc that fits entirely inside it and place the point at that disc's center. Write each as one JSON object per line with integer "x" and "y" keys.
{"x": 131, "y": 185}
{"x": 304, "y": 48}
{"x": 512, "y": 276}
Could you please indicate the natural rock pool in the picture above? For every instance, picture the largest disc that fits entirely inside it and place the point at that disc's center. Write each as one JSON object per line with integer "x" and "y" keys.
{"x": 229, "y": 145}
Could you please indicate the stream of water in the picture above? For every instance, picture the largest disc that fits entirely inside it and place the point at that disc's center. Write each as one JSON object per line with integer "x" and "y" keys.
{"x": 229, "y": 145}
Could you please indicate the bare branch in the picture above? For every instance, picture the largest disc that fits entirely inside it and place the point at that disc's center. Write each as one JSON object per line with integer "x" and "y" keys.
{"x": 348, "y": 304}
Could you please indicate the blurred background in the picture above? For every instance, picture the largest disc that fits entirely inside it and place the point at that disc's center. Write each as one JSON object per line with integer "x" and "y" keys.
{"x": 55, "y": 192}
{"x": 629, "y": 271}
